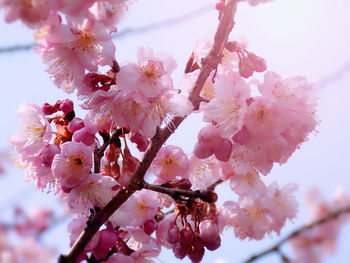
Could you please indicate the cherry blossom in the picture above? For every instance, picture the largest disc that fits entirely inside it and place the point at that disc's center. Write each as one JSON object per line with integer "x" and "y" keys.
{"x": 95, "y": 191}
{"x": 227, "y": 109}
{"x": 72, "y": 165}
{"x": 170, "y": 162}
{"x": 35, "y": 133}
{"x": 111, "y": 159}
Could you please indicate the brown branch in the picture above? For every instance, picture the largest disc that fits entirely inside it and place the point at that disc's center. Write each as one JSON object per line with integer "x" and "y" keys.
{"x": 276, "y": 247}
{"x": 206, "y": 196}
{"x": 209, "y": 63}
{"x": 215, "y": 184}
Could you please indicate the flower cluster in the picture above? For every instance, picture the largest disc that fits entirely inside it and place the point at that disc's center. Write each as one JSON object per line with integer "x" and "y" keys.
{"x": 91, "y": 159}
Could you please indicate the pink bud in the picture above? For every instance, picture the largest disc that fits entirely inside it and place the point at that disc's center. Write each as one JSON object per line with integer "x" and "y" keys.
{"x": 210, "y": 142}
{"x": 245, "y": 68}
{"x": 66, "y": 106}
{"x": 108, "y": 239}
{"x": 173, "y": 235}
{"x": 219, "y": 5}
{"x": 149, "y": 226}
{"x": 180, "y": 251}
{"x": 48, "y": 109}
{"x": 201, "y": 151}
{"x": 223, "y": 150}
{"x": 209, "y": 234}
{"x": 233, "y": 46}
{"x": 258, "y": 63}
{"x": 187, "y": 235}
{"x": 196, "y": 254}
{"x": 208, "y": 136}
{"x": 142, "y": 142}
{"x": 83, "y": 135}
{"x": 57, "y": 105}
{"x": 184, "y": 184}
{"x": 75, "y": 124}
{"x": 214, "y": 244}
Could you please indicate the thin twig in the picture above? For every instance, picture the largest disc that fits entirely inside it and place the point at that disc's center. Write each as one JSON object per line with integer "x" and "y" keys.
{"x": 128, "y": 31}
{"x": 206, "y": 196}
{"x": 215, "y": 184}
{"x": 166, "y": 23}
{"x": 276, "y": 247}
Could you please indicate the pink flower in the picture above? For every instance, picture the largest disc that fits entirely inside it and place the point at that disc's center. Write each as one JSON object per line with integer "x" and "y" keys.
{"x": 144, "y": 245}
{"x": 169, "y": 163}
{"x": 259, "y": 213}
{"x": 109, "y": 11}
{"x": 72, "y": 166}
{"x": 210, "y": 142}
{"x": 201, "y": 172}
{"x": 209, "y": 234}
{"x": 107, "y": 240}
{"x": 284, "y": 205}
{"x": 203, "y": 45}
{"x": 76, "y": 227}
{"x": 243, "y": 178}
{"x": 84, "y": 131}
{"x": 265, "y": 118}
{"x": 95, "y": 191}
{"x": 149, "y": 77}
{"x": 228, "y": 107}
{"x": 276, "y": 123}
{"x": 296, "y": 95}
{"x": 139, "y": 208}
{"x": 33, "y": 13}
{"x": 35, "y": 133}
{"x": 75, "y": 7}
{"x": 39, "y": 167}
{"x": 70, "y": 49}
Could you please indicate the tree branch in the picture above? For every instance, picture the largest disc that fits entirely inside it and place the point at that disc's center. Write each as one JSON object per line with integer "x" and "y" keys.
{"x": 209, "y": 63}
{"x": 276, "y": 247}
{"x": 127, "y": 31}
{"x": 206, "y": 196}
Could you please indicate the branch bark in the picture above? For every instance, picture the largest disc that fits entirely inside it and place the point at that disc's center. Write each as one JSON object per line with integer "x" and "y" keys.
{"x": 206, "y": 196}
{"x": 276, "y": 247}
{"x": 209, "y": 63}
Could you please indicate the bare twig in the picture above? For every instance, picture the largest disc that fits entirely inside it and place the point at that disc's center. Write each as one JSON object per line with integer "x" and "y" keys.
{"x": 215, "y": 184}
{"x": 128, "y": 31}
{"x": 276, "y": 247}
{"x": 206, "y": 196}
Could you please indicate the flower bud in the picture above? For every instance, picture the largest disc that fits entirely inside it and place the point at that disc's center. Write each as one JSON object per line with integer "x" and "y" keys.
{"x": 187, "y": 235}
{"x": 209, "y": 234}
{"x": 149, "y": 226}
{"x": 66, "y": 106}
{"x": 180, "y": 251}
{"x": 48, "y": 109}
{"x": 196, "y": 254}
{"x": 173, "y": 235}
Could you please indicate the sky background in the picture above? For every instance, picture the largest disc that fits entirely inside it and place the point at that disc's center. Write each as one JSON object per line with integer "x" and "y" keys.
{"x": 308, "y": 38}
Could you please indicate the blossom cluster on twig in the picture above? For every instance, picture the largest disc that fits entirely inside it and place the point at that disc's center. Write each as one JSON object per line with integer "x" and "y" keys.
{"x": 120, "y": 202}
